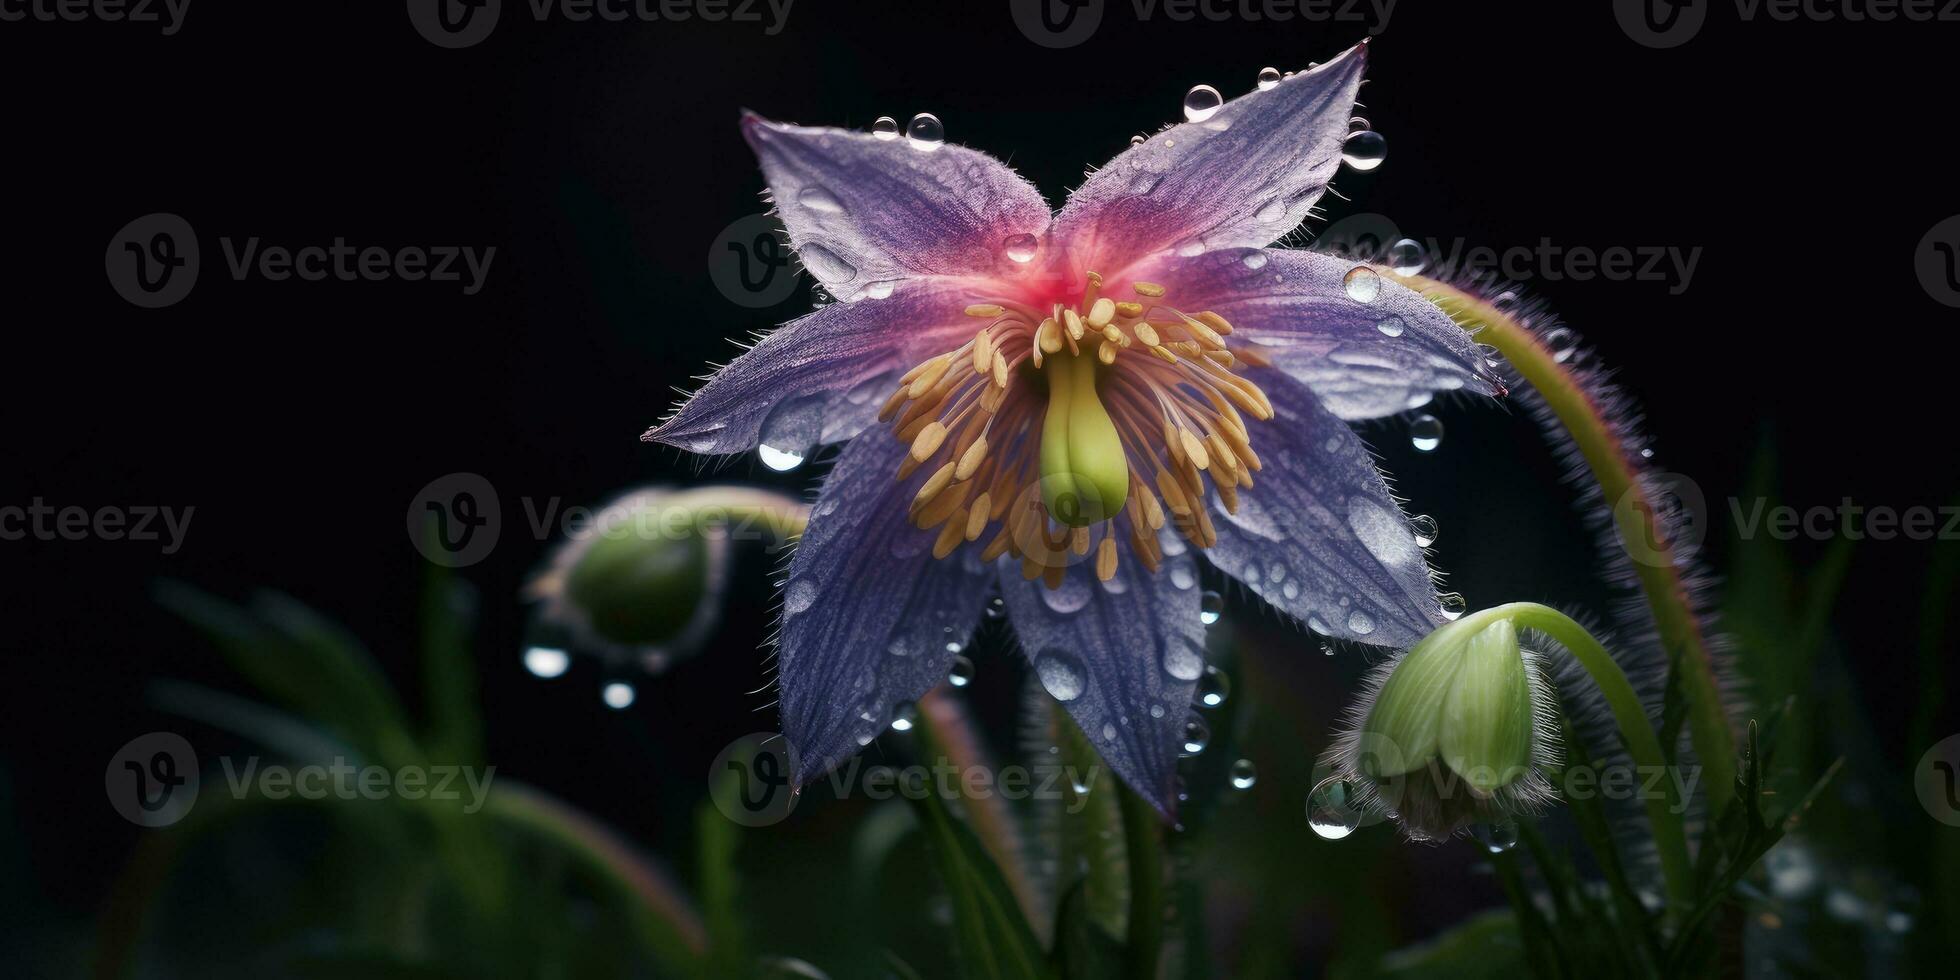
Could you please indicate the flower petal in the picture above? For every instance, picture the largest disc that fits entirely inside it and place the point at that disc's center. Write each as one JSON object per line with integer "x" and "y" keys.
{"x": 1318, "y": 535}
{"x": 1368, "y": 349}
{"x": 1123, "y": 656}
{"x": 863, "y": 210}
{"x": 870, "y": 619}
{"x": 1246, "y": 175}
{"x": 820, "y": 378}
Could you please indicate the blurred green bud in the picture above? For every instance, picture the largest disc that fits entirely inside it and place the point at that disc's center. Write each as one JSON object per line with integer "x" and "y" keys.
{"x": 642, "y": 579}
{"x": 1455, "y": 731}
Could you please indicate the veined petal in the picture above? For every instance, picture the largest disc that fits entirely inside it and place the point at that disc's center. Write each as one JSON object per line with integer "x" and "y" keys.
{"x": 1246, "y": 175}
{"x": 870, "y": 619}
{"x": 864, "y": 210}
{"x": 1319, "y": 537}
{"x": 1123, "y": 657}
{"x": 1368, "y": 348}
{"x": 819, "y": 378}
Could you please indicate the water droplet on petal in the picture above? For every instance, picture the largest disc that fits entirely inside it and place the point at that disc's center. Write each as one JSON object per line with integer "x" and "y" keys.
{"x": 996, "y": 608}
{"x": 1329, "y": 810}
{"x": 780, "y": 460}
{"x": 1424, "y": 527}
{"x": 1452, "y": 605}
{"x": 1211, "y": 606}
{"x": 925, "y": 132}
{"x": 1357, "y": 124}
{"x": 1364, "y": 150}
{"x": 1197, "y": 735}
{"x": 799, "y": 596}
{"x": 1392, "y": 327}
{"x": 1426, "y": 433}
{"x": 1183, "y": 659}
{"x": 618, "y": 695}
{"x": 880, "y": 290}
{"x": 1182, "y": 576}
{"x": 1201, "y": 102}
{"x": 1073, "y": 594}
{"x": 1021, "y": 248}
{"x": 1061, "y": 674}
{"x": 904, "y": 716}
{"x": 961, "y": 673}
{"x": 1268, "y": 78}
{"x": 1244, "y": 774}
{"x": 819, "y": 199}
{"x": 1214, "y": 687}
{"x": 547, "y": 662}
{"x": 1406, "y": 257}
{"x": 886, "y": 128}
{"x": 1362, "y": 284}
{"x": 1360, "y": 623}
{"x": 1560, "y": 341}
{"x": 1254, "y": 260}
{"x": 1136, "y": 141}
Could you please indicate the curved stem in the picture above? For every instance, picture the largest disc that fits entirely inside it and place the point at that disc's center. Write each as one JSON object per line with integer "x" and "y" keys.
{"x": 1143, "y": 835}
{"x": 1643, "y": 745}
{"x": 1656, "y": 565}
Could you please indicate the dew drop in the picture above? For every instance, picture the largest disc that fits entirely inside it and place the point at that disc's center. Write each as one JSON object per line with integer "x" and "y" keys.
{"x": 819, "y": 199}
{"x": 1201, "y": 103}
{"x": 1214, "y": 687}
{"x": 1060, "y": 673}
{"x": 1362, "y": 284}
{"x": 1244, "y": 774}
{"x": 1364, "y": 150}
{"x": 547, "y": 662}
{"x": 961, "y": 673}
{"x": 618, "y": 695}
{"x": 780, "y": 460}
{"x": 1406, "y": 257}
{"x": 901, "y": 647}
{"x": 1268, "y": 78}
{"x": 1183, "y": 659}
{"x": 800, "y": 595}
{"x": 1211, "y": 606}
{"x": 1357, "y": 124}
{"x": 996, "y": 608}
{"x": 1424, "y": 527}
{"x": 1360, "y": 623}
{"x": 886, "y": 128}
{"x": 880, "y": 290}
{"x": 1426, "y": 433}
{"x": 1498, "y": 838}
{"x": 904, "y": 716}
{"x": 1392, "y": 327}
{"x": 1156, "y": 711}
{"x": 1182, "y": 576}
{"x": 1330, "y": 811}
{"x": 1197, "y": 735}
{"x": 1136, "y": 141}
{"x": 1561, "y": 341}
{"x": 925, "y": 132}
{"x": 1020, "y": 248}
{"x": 1254, "y": 260}
{"x": 1073, "y": 594}
{"x": 1452, "y": 605}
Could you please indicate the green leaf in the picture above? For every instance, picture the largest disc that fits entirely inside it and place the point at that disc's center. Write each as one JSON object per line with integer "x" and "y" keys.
{"x": 1083, "y": 949}
{"x": 1486, "y": 946}
{"x": 455, "y": 721}
{"x": 991, "y": 938}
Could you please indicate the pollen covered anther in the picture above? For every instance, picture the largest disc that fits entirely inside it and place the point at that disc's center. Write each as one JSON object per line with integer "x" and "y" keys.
{"x": 1080, "y": 427}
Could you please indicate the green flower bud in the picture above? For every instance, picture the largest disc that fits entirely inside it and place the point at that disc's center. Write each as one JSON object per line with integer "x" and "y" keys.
{"x": 1455, "y": 731}
{"x": 642, "y": 580}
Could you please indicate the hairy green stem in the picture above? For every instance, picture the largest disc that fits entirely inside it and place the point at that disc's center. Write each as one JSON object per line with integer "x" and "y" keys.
{"x": 1143, "y": 836}
{"x": 1643, "y": 745}
{"x": 1654, "y": 556}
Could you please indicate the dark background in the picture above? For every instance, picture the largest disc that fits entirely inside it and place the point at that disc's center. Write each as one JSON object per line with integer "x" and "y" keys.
{"x": 602, "y": 160}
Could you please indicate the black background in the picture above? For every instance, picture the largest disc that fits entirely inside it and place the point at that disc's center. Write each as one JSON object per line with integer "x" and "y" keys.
{"x": 601, "y": 160}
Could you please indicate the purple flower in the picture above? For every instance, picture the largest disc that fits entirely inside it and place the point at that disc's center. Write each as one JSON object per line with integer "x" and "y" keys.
{"x": 1070, "y": 408}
